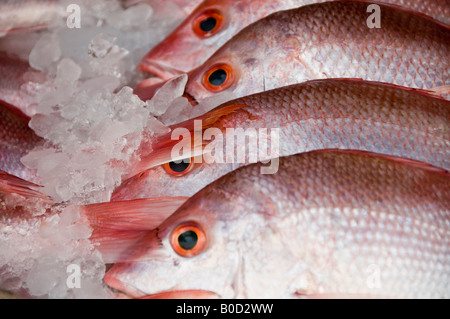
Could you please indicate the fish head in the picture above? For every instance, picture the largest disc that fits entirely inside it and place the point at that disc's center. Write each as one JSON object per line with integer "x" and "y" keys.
{"x": 209, "y": 26}
{"x": 242, "y": 66}
{"x": 182, "y": 254}
{"x": 171, "y": 179}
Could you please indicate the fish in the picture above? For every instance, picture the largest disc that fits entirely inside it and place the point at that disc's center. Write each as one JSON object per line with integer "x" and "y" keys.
{"x": 328, "y": 224}
{"x": 317, "y": 114}
{"x": 27, "y": 15}
{"x": 16, "y": 140}
{"x": 20, "y": 83}
{"x": 326, "y": 40}
{"x": 215, "y": 22}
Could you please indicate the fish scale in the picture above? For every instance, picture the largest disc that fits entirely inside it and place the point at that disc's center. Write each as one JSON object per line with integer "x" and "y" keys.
{"x": 334, "y": 224}
{"x": 16, "y": 140}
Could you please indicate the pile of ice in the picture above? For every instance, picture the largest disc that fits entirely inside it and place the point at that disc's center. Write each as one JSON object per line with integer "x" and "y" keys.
{"x": 94, "y": 129}
{"x": 171, "y": 107}
{"x": 93, "y": 124}
{"x": 87, "y": 113}
{"x": 46, "y": 253}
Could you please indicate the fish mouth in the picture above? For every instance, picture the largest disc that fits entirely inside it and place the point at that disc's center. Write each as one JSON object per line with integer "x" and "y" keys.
{"x": 192, "y": 100}
{"x": 123, "y": 291}
{"x": 160, "y": 70}
{"x": 120, "y": 289}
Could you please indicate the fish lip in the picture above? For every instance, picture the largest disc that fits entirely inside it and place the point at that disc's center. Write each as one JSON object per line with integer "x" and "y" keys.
{"x": 124, "y": 291}
{"x": 119, "y": 288}
{"x": 159, "y": 69}
{"x": 192, "y": 100}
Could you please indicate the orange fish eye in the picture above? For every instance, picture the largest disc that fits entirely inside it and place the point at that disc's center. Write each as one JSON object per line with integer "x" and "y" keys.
{"x": 188, "y": 240}
{"x": 208, "y": 23}
{"x": 178, "y": 168}
{"x": 218, "y": 78}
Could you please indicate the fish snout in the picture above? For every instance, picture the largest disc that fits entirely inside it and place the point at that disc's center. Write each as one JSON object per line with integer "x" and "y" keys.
{"x": 120, "y": 288}
{"x": 161, "y": 70}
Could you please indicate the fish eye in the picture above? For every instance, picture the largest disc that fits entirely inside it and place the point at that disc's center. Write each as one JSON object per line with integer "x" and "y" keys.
{"x": 218, "y": 78}
{"x": 188, "y": 240}
{"x": 208, "y": 23}
{"x": 178, "y": 168}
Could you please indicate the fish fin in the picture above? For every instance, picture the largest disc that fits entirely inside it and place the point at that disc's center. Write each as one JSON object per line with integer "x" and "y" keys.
{"x": 402, "y": 160}
{"x": 138, "y": 214}
{"x": 118, "y": 225}
{"x": 162, "y": 148}
{"x": 441, "y": 91}
{"x": 10, "y": 184}
{"x": 23, "y": 29}
{"x": 418, "y": 164}
{"x": 114, "y": 244}
{"x": 183, "y": 294}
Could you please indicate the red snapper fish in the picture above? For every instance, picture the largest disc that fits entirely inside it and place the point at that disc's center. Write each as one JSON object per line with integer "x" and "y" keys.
{"x": 215, "y": 22}
{"x": 330, "y": 113}
{"x": 328, "y": 224}
{"x": 326, "y": 40}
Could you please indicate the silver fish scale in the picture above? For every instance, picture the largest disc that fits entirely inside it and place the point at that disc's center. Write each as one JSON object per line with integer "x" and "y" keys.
{"x": 352, "y": 115}
{"x": 367, "y": 49}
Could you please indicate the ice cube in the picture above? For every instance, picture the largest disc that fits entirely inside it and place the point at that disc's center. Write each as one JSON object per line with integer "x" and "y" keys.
{"x": 164, "y": 96}
{"x": 132, "y": 18}
{"x": 179, "y": 110}
{"x": 69, "y": 215}
{"x": 101, "y": 45}
{"x": 45, "y": 52}
{"x": 42, "y": 277}
{"x": 67, "y": 73}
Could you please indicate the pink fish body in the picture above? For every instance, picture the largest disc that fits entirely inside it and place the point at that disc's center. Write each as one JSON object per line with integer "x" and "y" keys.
{"x": 16, "y": 140}
{"x": 215, "y": 22}
{"x": 326, "y": 40}
{"x": 328, "y": 224}
{"x": 20, "y": 83}
{"x": 331, "y": 113}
